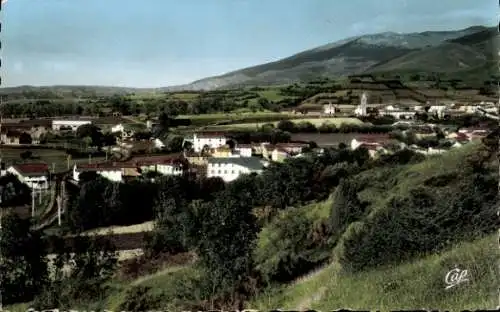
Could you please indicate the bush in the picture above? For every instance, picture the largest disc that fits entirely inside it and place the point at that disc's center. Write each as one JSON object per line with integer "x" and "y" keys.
{"x": 420, "y": 221}
{"x": 139, "y": 298}
{"x": 293, "y": 244}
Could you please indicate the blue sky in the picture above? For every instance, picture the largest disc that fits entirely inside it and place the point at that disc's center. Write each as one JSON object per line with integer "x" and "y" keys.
{"x": 152, "y": 43}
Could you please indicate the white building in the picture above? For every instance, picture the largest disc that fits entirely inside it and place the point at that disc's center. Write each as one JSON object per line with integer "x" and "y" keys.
{"x": 396, "y": 113}
{"x": 158, "y": 143}
{"x": 361, "y": 108}
{"x": 117, "y": 128}
{"x": 211, "y": 140}
{"x": 72, "y": 125}
{"x": 108, "y": 171}
{"x": 162, "y": 165}
{"x": 230, "y": 168}
{"x": 244, "y": 150}
{"x": 36, "y": 176}
{"x": 429, "y": 151}
{"x": 328, "y": 109}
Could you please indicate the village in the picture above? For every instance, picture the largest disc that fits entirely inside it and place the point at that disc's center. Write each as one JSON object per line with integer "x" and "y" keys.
{"x": 216, "y": 154}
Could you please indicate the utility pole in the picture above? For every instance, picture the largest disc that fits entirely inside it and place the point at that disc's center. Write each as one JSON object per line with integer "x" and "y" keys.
{"x": 32, "y": 202}
{"x": 61, "y": 202}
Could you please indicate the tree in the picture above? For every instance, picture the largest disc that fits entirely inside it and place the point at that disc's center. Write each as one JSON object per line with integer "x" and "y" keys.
{"x": 13, "y": 192}
{"x": 23, "y": 265}
{"x": 26, "y": 155}
{"x": 226, "y": 240}
{"x": 90, "y": 131}
{"x": 80, "y": 272}
{"x": 25, "y": 138}
{"x": 286, "y": 125}
{"x": 174, "y": 144}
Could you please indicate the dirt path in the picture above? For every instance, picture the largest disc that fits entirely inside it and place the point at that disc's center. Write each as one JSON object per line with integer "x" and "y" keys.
{"x": 305, "y": 303}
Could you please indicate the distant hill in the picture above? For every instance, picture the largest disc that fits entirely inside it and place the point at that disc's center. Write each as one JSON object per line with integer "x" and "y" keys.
{"x": 465, "y": 53}
{"x": 73, "y": 91}
{"x": 443, "y": 51}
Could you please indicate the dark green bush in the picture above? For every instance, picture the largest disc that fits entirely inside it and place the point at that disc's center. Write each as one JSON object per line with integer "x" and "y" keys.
{"x": 293, "y": 244}
{"x": 422, "y": 221}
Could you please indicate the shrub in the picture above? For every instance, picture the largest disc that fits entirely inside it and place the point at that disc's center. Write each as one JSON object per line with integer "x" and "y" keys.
{"x": 139, "y": 298}
{"x": 421, "y": 221}
{"x": 293, "y": 244}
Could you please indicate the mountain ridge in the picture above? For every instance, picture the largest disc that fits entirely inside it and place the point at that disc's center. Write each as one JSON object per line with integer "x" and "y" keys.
{"x": 348, "y": 56}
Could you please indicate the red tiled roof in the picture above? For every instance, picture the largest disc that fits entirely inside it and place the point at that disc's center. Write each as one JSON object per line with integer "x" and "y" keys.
{"x": 104, "y": 166}
{"x": 461, "y": 135}
{"x": 285, "y": 145}
{"x": 33, "y": 168}
{"x": 371, "y": 138}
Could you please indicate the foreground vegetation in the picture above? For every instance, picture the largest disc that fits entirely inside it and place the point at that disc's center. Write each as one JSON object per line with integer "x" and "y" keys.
{"x": 418, "y": 283}
{"x": 381, "y": 233}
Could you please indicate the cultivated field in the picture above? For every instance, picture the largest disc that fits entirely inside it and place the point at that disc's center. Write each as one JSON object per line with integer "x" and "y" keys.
{"x": 53, "y": 157}
{"x": 234, "y": 116}
{"x": 315, "y": 121}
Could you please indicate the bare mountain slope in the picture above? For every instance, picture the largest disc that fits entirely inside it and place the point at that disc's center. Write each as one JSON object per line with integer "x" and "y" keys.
{"x": 349, "y": 56}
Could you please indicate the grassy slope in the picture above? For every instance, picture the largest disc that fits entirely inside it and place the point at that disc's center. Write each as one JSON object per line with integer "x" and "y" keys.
{"x": 419, "y": 284}
{"x": 416, "y": 284}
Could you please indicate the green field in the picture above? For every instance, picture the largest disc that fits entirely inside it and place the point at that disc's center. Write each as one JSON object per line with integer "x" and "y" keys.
{"x": 52, "y": 157}
{"x": 233, "y": 116}
{"x": 315, "y": 121}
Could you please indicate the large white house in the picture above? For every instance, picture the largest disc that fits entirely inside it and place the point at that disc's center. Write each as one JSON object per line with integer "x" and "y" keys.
{"x": 66, "y": 124}
{"x": 109, "y": 171}
{"x": 35, "y": 175}
{"x": 230, "y": 168}
{"x": 211, "y": 140}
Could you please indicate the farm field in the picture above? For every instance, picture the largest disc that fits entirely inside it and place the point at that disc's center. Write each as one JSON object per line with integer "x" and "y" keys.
{"x": 315, "y": 121}
{"x": 234, "y": 116}
{"x": 52, "y": 157}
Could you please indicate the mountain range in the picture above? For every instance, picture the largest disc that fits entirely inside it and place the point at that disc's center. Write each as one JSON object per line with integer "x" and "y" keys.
{"x": 468, "y": 51}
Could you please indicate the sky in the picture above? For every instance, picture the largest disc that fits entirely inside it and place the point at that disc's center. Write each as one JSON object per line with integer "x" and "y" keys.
{"x": 157, "y": 43}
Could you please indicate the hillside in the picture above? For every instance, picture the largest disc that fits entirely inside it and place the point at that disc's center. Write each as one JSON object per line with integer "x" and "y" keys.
{"x": 461, "y": 54}
{"x": 418, "y": 284}
{"x": 360, "y": 54}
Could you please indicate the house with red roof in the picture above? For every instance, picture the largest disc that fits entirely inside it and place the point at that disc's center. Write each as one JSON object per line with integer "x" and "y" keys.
{"x": 35, "y": 175}
{"x": 370, "y": 139}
